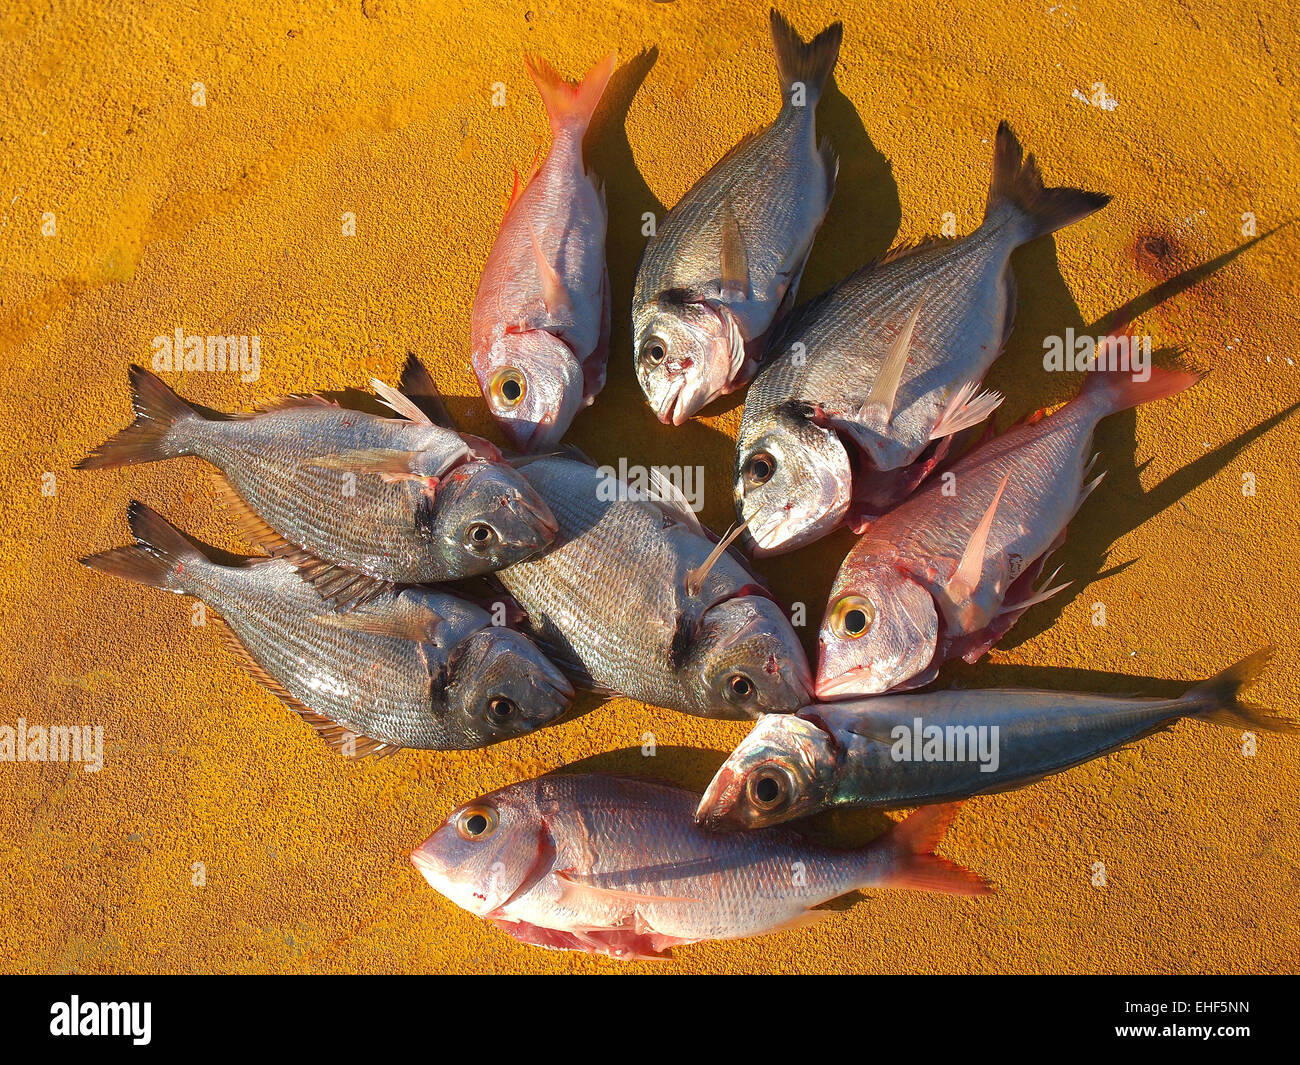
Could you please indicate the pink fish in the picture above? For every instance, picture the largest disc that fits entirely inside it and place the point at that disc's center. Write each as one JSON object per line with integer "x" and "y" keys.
{"x": 948, "y": 572}
{"x": 540, "y": 327}
{"x": 610, "y": 865}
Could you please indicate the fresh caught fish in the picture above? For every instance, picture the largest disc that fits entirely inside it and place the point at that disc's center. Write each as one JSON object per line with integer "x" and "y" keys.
{"x": 540, "y": 325}
{"x": 932, "y": 747}
{"x": 868, "y": 384}
{"x": 411, "y": 668}
{"x": 636, "y": 597}
{"x": 726, "y": 261}
{"x": 614, "y": 866}
{"x": 946, "y": 575}
{"x": 368, "y": 499}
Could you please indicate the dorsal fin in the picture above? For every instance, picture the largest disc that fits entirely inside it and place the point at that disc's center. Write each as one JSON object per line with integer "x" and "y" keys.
{"x": 966, "y": 577}
{"x": 419, "y": 388}
{"x": 267, "y": 406}
{"x": 695, "y": 577}
{"x": 884, "y": 390}
{"x": 671, "y": 496}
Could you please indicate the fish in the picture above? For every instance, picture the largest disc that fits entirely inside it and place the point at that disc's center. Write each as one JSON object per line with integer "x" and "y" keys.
{"x": 868, "y": 385}
{"x": 635, "y": 598}
{"x": 617, "y": 866}
{"x": 541, "y": 318}
{"x": 726, "y": 261}
{"x": 948, "y": 572}
{"x": 920, "y": 748}
{"x": 414, "y": 667}
{"x": 359, "y": 501}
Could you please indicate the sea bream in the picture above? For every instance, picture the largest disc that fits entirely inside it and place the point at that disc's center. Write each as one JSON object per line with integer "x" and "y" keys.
{"x": 947, "y": 573}
{"x": 868, "y": 384}
{"x": 933, "y": 747}
{"x": 614, "y": 866}
{"x": 637, "y": 599}
{"x": 366, "y": 500}
{"x": 725, "y": 263}
{"x": 414, "y": 667}
{"x": 540, "y": 324}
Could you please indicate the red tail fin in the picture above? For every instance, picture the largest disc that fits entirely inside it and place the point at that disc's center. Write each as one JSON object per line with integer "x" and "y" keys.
{"x": 566, "y": 106}
{"x": 915, "y": 865}
{"x": 1117, "y": 390}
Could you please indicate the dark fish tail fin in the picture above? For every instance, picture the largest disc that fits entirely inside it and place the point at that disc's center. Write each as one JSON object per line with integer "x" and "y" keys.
{"x": 805, "y": 62}
{"x": 1219, "y": 698}
{"x": 1115, "y": 387}
{"x": 912, "y": 863}
{"x": 159, "y": 557}
{"x": 158, "y": 410}
{"x": 569, "y": 106}
{"x": 1017, "y": 182}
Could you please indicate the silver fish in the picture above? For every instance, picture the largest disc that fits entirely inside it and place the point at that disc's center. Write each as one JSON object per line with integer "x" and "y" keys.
{"x": 614, "y": 866}
{"x": 933, "y": 747}
{"x": 946, "y": 574}
{"x": 726, "y": 261}
{"x": 540, "y": 325}
{"x": 635, "y": 596}
{"x": 369, "y": 499}
{"x": 412, "y": 668}
{"x": 868, "y": 384}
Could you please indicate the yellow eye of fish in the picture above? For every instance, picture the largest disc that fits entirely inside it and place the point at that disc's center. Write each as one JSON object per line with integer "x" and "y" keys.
{"x": 476, "y": 823}
{"x": 853, "y": 616}
{"x": 508, "y": 388}
{"x": 654, "y": 351}
{"x": 759, "y": 469}
{"x": 769, "y": 788}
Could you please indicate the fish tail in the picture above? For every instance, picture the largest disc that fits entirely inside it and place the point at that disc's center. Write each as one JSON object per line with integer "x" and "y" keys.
{"x": 152, "y": 436}
{"x": 1115, "y": 389}
{"x": 1219, "y": 698}
{"x": 1017, "y": 183}
{"x": 807, "y": 62}
{"x": 570, "y": 107}
{"x": 160, "y": 557}
{"x": 912, "y": 863}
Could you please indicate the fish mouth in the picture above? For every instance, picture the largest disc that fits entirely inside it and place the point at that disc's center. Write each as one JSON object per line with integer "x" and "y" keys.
{"x": 856, "y": 681}
{"x": 536, "y": 515}
{"x": 669, "y": 411}
{"x": 718, "y": 803}
{"x": 425, "y": 865}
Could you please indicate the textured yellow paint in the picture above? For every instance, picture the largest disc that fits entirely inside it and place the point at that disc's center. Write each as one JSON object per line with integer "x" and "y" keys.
{"x": 226, "y": 219}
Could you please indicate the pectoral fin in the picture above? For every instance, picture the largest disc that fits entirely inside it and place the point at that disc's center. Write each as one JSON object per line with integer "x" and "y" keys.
{"x": 574, "y": 890}
{"x": 554, "y": 294}
{"x": 408, "y": 621}
{"x": 734, "y": 261}
{"x": 884, "y": 391}
{"x": 966, "y": 577}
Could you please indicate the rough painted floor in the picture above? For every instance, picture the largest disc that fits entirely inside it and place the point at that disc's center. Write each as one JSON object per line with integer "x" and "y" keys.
{"x": 227, "y": 219}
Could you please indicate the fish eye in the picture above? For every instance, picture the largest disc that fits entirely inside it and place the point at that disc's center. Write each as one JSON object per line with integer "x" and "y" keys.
{"x": 500, "y": 710}
{"x": 654, "y": 350}
{"x": 508, "y": 388}
{"x": 759, "y": 469}
{"x": 769, "y": 787}
{"x": 480, "y": 536}
{"x": 853, "y": 616}
{"x": 739, "y": 687}
{"x": 476, "y": 823}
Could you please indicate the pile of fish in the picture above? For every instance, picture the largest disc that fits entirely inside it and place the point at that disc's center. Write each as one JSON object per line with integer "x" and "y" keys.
{"x": 355, "y": 612}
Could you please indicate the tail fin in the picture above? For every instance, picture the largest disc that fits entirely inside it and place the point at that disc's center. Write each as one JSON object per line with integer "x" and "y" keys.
{"x": 809, "y": 63}
{"x": 1219, "y": 699}
{"x": 913, "y": 862}
{"x": 1116, "y": 390}
{"x": 159, "y": 556}
{"x": 1017, "y": 182}
{"x": 157, "y": 411}
{"x": 566, "y": 106}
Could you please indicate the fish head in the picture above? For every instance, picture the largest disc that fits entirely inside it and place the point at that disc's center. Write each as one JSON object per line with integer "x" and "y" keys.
{"x": 484, "y": 852}
{"x": 784, "y": 769}
{"x": 500, "y": 685}
{"x": 881, "y": 629}
{"x": 793, "y": 482}
{"x": 533, "y": 385}
{"x": 485, "y": 516}
{"x": 749, "y": 661}
{"x": 688, "y": 352}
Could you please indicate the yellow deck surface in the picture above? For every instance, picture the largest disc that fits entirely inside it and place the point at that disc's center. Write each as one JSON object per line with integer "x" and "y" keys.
{"x": 226, "y": 219}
